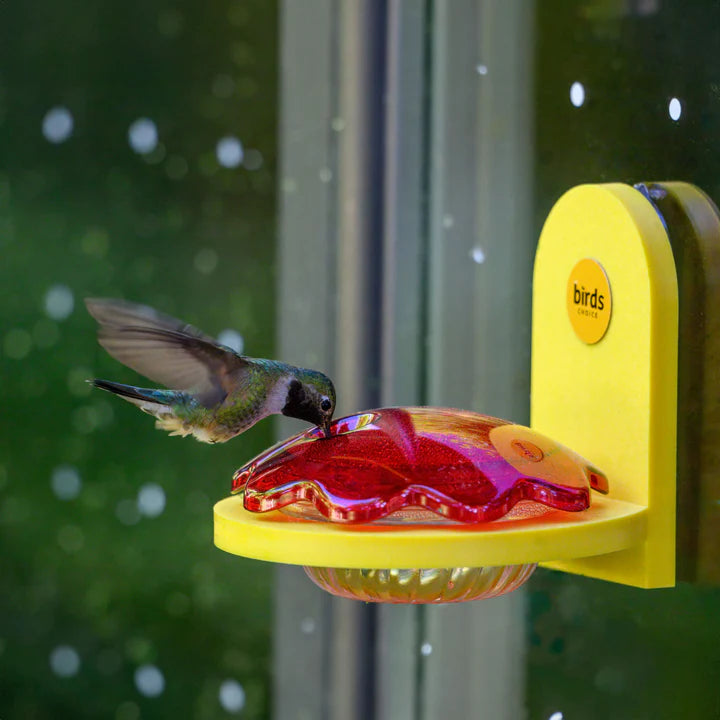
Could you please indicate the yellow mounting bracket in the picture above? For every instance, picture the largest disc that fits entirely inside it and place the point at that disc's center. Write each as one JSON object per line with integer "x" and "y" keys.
{"x": 604, "y": 368}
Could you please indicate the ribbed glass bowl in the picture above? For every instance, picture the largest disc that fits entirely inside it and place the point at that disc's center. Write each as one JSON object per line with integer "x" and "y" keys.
{"x": 417, "y": 585}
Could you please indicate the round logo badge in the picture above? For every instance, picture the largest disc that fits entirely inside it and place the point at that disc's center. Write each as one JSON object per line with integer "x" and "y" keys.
{"x": 589, "y": 302}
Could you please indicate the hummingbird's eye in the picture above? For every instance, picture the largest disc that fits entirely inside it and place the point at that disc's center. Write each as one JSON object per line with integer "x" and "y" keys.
{"x": 325, "y": 405}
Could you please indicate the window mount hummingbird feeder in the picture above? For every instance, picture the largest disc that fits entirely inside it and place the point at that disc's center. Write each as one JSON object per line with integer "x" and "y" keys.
{"x": 429, "y": 505}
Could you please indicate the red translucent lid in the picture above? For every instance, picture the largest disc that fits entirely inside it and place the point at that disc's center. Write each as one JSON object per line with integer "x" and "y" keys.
{"x": 460, "y": 465}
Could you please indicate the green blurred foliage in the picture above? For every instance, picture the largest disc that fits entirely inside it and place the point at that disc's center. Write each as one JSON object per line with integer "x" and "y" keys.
{"x": 599, "y": 650}
{"x": 172, "y": 229}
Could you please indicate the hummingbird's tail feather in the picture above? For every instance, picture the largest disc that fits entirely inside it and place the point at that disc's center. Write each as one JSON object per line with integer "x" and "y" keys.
{"x": 163, "y": 405}
{"x": 136, "y": 395}
{"x": 154, "y": 402}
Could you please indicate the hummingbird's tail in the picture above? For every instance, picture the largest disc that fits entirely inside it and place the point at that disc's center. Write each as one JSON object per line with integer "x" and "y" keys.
{"x": 139, "y": 396}
{"x": 161, "y": 404}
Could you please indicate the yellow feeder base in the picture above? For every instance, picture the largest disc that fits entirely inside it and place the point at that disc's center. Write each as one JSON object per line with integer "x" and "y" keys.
{"x": 608, "y": 526}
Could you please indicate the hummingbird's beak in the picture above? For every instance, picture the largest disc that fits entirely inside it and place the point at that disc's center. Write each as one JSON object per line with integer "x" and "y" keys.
{"x": 326, "y": 428}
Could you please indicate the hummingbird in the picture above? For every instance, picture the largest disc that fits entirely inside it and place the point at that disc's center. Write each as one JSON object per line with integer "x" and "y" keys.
{"x": 214, "y": 392}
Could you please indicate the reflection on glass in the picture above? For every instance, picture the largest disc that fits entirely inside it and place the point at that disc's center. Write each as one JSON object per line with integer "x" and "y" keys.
{"x": 229, "y": 152}
{"x": 149, "y": 681}
{"x": 253, "y": 159}
{"x": 675, "y": 109}
{"x": 57, "y": 125}
{"x": 143, "y": 136}
{"x": 577, "y": 94}
{"x": 59, "y": 302}
{"x": 151, "y": 500}
{"x": 66, "y": 482}
{"x": 64, "y": 661}
{"x": 232, "y": 339}
{"x": 232, "y": 696}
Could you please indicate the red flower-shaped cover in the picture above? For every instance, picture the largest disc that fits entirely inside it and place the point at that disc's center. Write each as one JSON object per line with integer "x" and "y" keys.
{"x": 463, "y": 466}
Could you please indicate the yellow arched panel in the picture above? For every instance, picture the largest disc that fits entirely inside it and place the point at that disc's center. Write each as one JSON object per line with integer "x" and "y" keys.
{"x": 614, "y": 402}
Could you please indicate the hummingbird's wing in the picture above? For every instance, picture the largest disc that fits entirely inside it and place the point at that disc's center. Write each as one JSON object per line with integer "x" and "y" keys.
{"x": 129, "y": 314}
{"x": 169, "y": 351}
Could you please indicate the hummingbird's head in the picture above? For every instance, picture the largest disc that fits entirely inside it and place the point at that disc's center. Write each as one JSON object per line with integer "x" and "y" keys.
{"x": 311, "y": 397}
